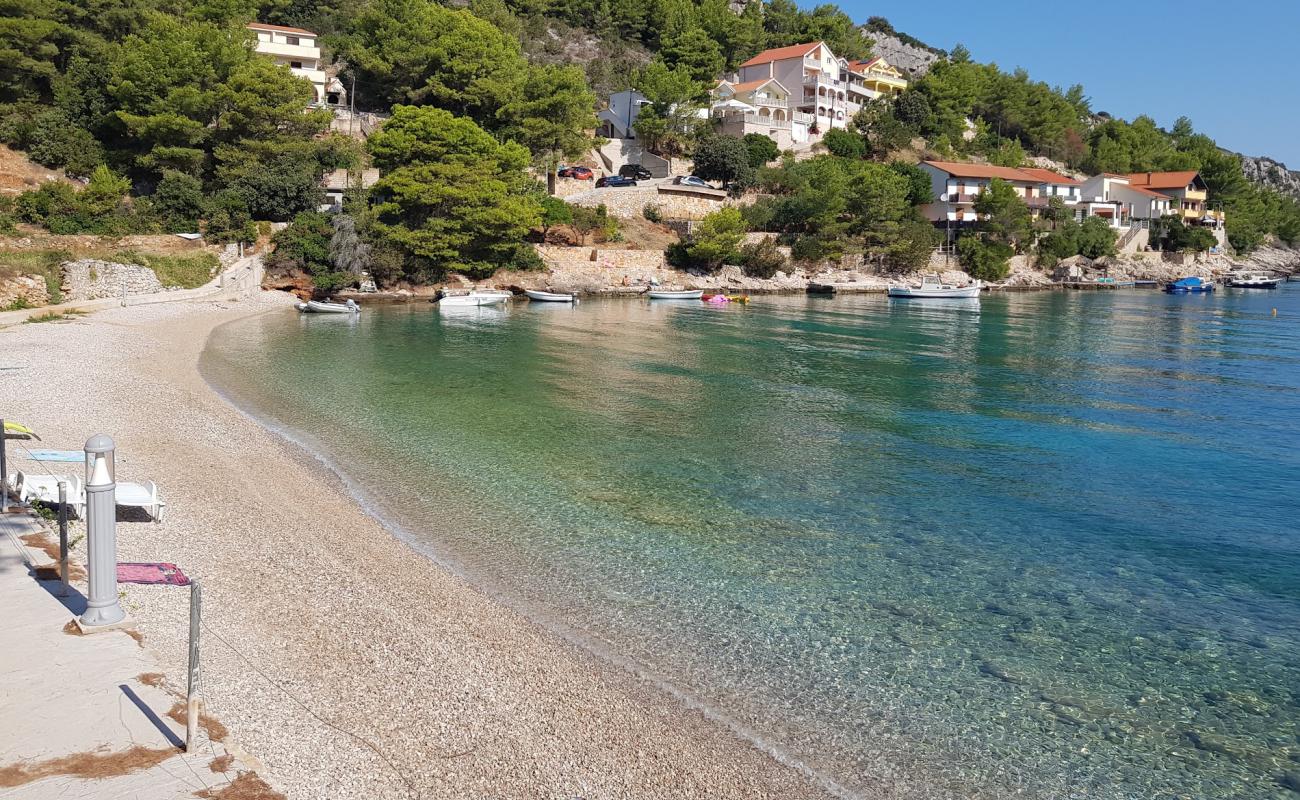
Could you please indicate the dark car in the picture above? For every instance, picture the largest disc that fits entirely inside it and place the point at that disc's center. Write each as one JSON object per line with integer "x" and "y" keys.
{"x": 635, "y": 171}
{"x": 577, "y": 173}
{"x": 615, "y": 181}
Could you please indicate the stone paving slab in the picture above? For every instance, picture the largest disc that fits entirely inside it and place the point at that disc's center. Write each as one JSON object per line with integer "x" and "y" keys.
{"x": 82, "y": 716}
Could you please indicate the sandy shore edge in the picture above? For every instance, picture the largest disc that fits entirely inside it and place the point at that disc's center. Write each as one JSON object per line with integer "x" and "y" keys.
{"x": 461, "y": 694}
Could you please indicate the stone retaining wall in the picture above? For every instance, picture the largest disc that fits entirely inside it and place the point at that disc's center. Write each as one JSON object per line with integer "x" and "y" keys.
{"x": 91, "y": 279}
{"x": 564, "y": 258}
{"x": 28, "y": 288}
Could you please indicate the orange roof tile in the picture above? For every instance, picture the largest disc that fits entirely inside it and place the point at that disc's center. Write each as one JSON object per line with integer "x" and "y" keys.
{"x": 781, "y": 54}
{"x": 260, "y": 26}
{"x": 749, "y": 86}
{"x": 1145, "y": 191}
{"x": 963, "y": 170}
{"x": 1047, "y": 176}
{"x": 1162, "y": 180}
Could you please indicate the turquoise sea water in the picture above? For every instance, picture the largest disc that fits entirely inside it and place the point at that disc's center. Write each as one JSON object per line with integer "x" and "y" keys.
{"x": 1043, "y": 546}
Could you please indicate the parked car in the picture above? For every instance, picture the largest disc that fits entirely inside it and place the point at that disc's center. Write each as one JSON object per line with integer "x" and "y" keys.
{"x": 691, "y": 180}
{"x": 615, "y": 181}
{"x": 577, "y": 173}
{"x": 635, "y": 171}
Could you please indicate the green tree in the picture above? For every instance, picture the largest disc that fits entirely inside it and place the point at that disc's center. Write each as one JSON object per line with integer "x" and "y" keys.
{"x": 696, "y": 53}
{"x": 723, "y": 158}
{"x": 984, "y": 260}
{"x": 667, "y": 125}
{"x": 844, "y": 144}
{"x": 716, "y": 240}
{"x": 762, "y": 149}
{"x": 554, "y": 211}
{"x": 453, "y": 198}
{"x": 920, "y": 190}
{"x": 551, "y": 116}
{"x": 1003, "y": 216}
{"x": 178, "y": 201}
{"x": 422, "y": 52}
{"x": 348, "y": 251}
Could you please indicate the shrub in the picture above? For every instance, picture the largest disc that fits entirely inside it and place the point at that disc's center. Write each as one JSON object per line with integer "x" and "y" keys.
{"x": 333, "y": 281}
{"x": 762, "y": 259}
{"x": 762, "y": 149}
{"x": 653, "y": 213}
{"x": 987, "y": 261}
{"x": 178, "y": 202}
{"x": 844, "y": 144}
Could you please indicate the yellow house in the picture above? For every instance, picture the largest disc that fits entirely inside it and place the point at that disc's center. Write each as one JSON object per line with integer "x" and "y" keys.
{"x": 1187, "y": 190}
{"x": 876, "y": 78}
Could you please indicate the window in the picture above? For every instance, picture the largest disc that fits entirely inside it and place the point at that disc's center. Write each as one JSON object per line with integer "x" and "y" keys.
{"x": 291, "y": 40}
{"x": 295, "y": 64}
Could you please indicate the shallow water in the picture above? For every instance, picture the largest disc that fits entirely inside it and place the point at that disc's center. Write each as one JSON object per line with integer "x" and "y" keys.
{"x": 1042, "y": 546}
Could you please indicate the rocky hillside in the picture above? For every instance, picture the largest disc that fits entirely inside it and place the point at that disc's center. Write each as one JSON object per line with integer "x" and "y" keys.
{"x": 909, "y": 57}
{"x": 1272, "y": 175}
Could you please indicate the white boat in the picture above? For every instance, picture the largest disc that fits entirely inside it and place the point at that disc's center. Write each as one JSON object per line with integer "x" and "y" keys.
{"x": 550, "y": 297}
{"x": 933, "y": 288}
{"x": 323, "y": 307}
{"x": 1252, "y": 280}
{"x": 675, "y": 294}
{"x": 475, "y": 297}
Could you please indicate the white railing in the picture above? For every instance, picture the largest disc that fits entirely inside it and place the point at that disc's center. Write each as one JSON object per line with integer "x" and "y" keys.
{"x": 296, "y": 52}
{"x": 768, "y": 101}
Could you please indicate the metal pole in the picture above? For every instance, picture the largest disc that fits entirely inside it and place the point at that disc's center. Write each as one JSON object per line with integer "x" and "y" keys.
{"x": 63, "y": 538}
{"x": 102, "y": 607}
{"x": 4, "y": 470}
{"x": 193, "y": 703}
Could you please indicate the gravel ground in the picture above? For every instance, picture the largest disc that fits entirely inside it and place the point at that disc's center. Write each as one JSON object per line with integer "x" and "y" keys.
{"x": 345, "y": 663}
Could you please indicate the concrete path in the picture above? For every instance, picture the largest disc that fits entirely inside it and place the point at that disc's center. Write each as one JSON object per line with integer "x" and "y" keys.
{"x": 84, "y": 716}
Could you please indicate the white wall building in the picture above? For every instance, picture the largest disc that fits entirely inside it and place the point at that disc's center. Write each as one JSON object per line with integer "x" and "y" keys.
{"x": 617, "y": 117}
{"x": 297, "y": 49}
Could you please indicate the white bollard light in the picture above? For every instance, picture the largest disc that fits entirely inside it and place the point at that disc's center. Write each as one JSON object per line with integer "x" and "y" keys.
{"x": 102, "y": 606}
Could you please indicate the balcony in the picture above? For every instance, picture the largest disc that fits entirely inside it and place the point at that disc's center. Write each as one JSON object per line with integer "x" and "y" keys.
{"x": 770, "y": 102}
{"x": 821, "y": 80}
{"x": 288, "y": 52}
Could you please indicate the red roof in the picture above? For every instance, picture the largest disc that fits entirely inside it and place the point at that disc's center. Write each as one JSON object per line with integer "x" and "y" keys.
{"x": 1145, "y": 191}
{"x": 961, "y": 169}
{"x": 261, "y": 26}
{"x": 781, "y": 54}
{"x": 749, "y": 86}
{"x": 1163, "y": 180}
{"x": 1047, "y": 176}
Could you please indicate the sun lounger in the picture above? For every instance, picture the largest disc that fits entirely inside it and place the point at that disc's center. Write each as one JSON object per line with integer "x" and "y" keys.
{"x": 45, "y": 488}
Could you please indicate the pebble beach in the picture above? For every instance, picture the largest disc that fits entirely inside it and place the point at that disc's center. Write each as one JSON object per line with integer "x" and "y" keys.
{"x": 343, "y": 663}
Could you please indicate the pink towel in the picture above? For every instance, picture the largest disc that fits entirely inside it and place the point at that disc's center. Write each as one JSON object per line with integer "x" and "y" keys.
{"x": 151, "y": 573}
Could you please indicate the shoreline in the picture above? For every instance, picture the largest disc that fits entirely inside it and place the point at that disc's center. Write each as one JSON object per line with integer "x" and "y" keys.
{"x": 630, "y": 282}
{"x": 538, "y": 712}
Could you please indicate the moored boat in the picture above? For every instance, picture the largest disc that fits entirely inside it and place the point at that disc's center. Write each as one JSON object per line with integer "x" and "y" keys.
{"x": 1252, "y": 280}
{"x": 326, "y": 307}
{"x": 932, "y": 288}
{"x": 675, "y": 294}
{"x": 550, "y": 297}
{"x": 1189, "y": 285}
{"x": 474, "y": 297}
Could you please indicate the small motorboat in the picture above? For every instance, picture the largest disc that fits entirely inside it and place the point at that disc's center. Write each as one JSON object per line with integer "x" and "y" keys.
{"x": 932, "y": 288}
{"x": 550, "y": 297}
{"x": 1253, "y": 280}
{"x": 1189, "y": 285}
{"x": 326, "y": 307}
{"x": 474, "y": 297}
{"x": 675, "y": 294}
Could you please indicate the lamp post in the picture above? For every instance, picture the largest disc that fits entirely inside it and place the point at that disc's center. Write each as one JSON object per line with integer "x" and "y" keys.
{"x": 102, "y": 607}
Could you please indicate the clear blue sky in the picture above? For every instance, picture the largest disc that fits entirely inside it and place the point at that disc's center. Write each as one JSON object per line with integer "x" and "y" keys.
{"x": 1231, "y": 65}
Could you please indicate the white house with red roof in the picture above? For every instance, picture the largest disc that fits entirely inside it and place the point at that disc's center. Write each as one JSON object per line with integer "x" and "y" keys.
{"x": 297, "y": 49}
{"x": 1117, "y": 199}
{"x": 757, "y": 106}
{"x": 956, "y": 184}
{"x": 814, "y": 78}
